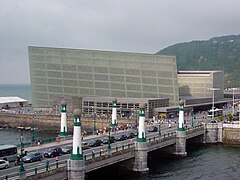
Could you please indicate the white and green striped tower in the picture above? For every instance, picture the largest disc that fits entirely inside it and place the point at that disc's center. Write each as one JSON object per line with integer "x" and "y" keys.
{"x": 181, "y": 126}
{"x": 77, "y": 146}
{"x": 141, "y": 147}
{"x": 114, "y": 112}
{"x": 76, "y": 163}
{"x": 63, "y": 130}
{"x": 181, "y": 133}
{"x": 141, "y": 124}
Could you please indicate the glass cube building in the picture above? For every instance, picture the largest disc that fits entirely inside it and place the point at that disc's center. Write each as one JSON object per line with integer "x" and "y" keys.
{"x": 199, "y": 83}
{"x": 60, "y": 72}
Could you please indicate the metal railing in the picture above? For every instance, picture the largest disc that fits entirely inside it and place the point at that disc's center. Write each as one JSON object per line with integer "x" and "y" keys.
{"x": 36, "y": 170}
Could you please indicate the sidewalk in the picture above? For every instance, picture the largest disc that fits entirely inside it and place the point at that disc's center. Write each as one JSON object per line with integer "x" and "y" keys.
{"x": 65, "y": 142}
{"x": 55, "y": 144}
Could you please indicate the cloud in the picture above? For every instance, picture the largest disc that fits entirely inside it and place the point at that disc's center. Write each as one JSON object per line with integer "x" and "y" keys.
{"x": 126, "y": 25}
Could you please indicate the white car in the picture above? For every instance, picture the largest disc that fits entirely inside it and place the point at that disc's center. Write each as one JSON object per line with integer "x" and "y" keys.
{"x": 4, "y": 164}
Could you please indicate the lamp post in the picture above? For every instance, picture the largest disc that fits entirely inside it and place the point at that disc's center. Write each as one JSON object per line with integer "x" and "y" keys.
{"x": 159, "y": 129}
{"x": 213, "y": 89}
{"x": 192, "y": 117}
{"x": 136, "y": 117}
{"x": 239, "y": 111}
{"x": 21, "y": 168}
{"x": 233, "y": 101}
{"x": 109, "y": 142}
{"x": 33, "y": 128}
{"x": 56, "y": 109}
{"x": 94, "y": 120}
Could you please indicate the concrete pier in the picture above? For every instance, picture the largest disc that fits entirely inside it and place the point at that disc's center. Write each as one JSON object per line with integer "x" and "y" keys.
{"x": 141, "y": 154}
{"x": 76, "y": 169}
{"x": 141, "y": 148}
{"x": 181, "y": 143}
{"x": 181, "y": 133}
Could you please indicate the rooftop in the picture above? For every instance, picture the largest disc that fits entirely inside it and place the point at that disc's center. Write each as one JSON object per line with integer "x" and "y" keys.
{"x": 13, "y": 99}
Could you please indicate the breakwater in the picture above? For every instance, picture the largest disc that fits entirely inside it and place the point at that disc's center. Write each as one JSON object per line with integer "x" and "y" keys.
{"x": 51, "y": 123}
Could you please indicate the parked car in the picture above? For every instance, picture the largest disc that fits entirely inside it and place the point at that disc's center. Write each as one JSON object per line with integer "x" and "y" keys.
{"x": 213, "y": 121}
{"x": 67, "y": 149}
{"x": 53, "y": 152}
{"x": 135, "y": 132}
{"x": 121, "y": 137}
{"x": 105, "y": 140}
{"x": 32, "y": 156}
{"x": 85, "y": 145}
{"x": 130, "y": 135}
{"x": 153, "y": 129}
{"x": 95, "y": 142}
{"x": 4, "y": 164}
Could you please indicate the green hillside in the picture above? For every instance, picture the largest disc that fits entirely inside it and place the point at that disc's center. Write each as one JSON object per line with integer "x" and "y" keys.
{"x": 218, "y": 53}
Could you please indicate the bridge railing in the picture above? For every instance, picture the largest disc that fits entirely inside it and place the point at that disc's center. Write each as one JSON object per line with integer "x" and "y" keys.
{"x": 194, "y": 128}
{"x": 105, "y": 152}
{"x": 36, "y": 170}
{"x": 44, "y": 141}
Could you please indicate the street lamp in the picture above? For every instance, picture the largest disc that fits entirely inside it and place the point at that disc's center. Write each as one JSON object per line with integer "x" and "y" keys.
{"x": 109, "y": 142}
{"x": 136, "y": 116}
{"x": 21, "y": 168}
{"x": 239, "y": 111}
{"x": 94, "y": 120}
{"x": 233, "y": 101}
{"x": 33, "y": 128}
{"x": 192, "y": 117}
{"x": 56, "y": 109}
{"x": 213, "y": 89}
{"x": 159, "y": 129}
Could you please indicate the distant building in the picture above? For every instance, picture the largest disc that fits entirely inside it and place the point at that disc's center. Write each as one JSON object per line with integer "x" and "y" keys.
{"x": 126, "y": 107}
{"x": 61, "y": 72}
{"x": 12, "y": 102}
{"x": 199, "y": 83}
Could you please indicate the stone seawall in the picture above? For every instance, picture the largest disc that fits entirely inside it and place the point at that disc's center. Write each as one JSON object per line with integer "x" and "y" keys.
{"x": 231, "y": 136}
{"x": 51, "y": 123}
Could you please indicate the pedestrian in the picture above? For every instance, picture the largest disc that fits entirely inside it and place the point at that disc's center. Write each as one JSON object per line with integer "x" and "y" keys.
{"x": 93, "y": 153}
{"x": 57, "y": 158}
{"x": 131, "y": 141}
{"x": 47, "y": 165}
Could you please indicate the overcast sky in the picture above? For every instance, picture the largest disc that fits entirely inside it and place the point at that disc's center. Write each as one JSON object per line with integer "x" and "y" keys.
{"x": 119, "y": 25}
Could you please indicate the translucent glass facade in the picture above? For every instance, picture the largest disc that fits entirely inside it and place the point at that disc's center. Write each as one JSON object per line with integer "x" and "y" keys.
{"x": 198, "y": 83}
{"x": 77, "y": 72}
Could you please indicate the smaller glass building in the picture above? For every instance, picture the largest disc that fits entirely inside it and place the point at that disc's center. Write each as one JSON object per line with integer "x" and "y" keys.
{"x": 199, "y": 84}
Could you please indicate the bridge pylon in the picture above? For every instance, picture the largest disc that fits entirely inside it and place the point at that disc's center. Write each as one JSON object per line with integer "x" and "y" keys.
{"x": 76, "y": 163}
{"x": 141, "y": 147}
{"x": 181, "y": 133}
{"x": 63, "y": 130}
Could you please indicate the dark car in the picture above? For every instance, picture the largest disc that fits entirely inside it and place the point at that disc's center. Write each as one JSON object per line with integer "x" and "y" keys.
{"x": 153, "y": 129}
{"x": 33, "y": 156}
{"x": 95, "y": 142}
{"x": 67, "y": 149}
{"x": 53, "y": 152}
{"x": 130, "y": 135}
{"x": 105, "y": 140}
{"x": 121, "y": 137}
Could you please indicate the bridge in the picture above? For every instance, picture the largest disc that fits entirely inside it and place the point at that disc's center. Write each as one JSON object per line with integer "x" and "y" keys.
{"x": 103, "y": 156}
